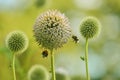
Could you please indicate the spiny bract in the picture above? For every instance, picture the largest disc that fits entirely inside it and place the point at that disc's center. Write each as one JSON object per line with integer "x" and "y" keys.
{"x": 52, "y": 29}
{"x": 17, "y": 41}
{"x": 38, "y": 72}
{"x": 89, "y": 27}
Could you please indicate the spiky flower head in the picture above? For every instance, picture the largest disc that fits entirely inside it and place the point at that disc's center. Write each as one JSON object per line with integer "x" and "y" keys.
{"x": 17, "y": 41}
{"x": 61, "y": 74}
{"x": 52, "y": 29}
{"x": 38, "y": 72}
{"x": 89, "y": 27}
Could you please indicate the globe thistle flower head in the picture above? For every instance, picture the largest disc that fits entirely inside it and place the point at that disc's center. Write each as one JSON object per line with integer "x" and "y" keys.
{"x": 61, "y": 74}
{"x": 52, "y": 29}
{"x": 38, "y": 72}
{"x": 89, "y": 27}
{"x": 17, "y": 41}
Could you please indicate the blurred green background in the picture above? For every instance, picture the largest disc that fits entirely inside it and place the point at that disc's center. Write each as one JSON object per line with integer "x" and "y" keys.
{"x": 104, "y": 51}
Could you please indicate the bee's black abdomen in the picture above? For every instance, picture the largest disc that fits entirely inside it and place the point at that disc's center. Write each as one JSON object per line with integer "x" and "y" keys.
{"x": 44, "y": 53}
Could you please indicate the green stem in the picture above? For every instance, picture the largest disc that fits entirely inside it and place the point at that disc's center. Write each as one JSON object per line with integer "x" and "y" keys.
{"x": 52, "y": 66}
{"x": 86, "y": 59}
{"x": 13, "y": 66}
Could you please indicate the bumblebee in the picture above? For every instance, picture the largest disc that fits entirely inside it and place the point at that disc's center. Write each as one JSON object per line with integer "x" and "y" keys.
{"x": 75, "y": 38}
{"x": 44, "y": 53}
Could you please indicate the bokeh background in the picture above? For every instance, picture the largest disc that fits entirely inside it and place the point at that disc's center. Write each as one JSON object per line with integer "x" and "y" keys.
{"x": 104, "y": 51}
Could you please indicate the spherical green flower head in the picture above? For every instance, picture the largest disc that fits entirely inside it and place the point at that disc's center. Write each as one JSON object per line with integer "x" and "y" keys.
{"x": 17, "y": 41}
{"x": 38, "y": 72}
{"x": 89, "y": 27}
{"x": 52, "y": 29}
{"x": 61, "y": 74}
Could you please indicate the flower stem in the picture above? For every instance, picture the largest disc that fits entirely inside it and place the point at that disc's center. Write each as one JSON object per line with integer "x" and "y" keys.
{"x": 52, "y": 66}
{"x": 86, "y": 59}
{"x": 13, "y": 66}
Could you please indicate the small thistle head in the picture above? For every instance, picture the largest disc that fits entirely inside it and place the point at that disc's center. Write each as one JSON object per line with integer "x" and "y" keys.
{"x": 61, "y": 74}
{"x": 89, "y": 27}
{"x": 17, "y": 41}
{"x": 52, "y": 29}
{"x": 38, "y": 72}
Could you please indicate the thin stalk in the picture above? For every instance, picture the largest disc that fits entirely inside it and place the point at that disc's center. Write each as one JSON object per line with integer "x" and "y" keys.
{"x": 52, "y": 66}
{"x": 86, "y": 59}
{"x": 13, "y": 67}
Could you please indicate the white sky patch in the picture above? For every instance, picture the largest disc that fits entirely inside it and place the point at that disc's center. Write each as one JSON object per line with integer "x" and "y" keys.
{"x": 12, "y": 4}
{"x": 111, "y": 26}
{"x": 89, "y": 4}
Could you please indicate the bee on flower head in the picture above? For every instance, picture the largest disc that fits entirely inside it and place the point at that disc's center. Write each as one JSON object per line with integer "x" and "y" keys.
{"x": 44, "y": 53}
{"x": 75, "y": 38}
